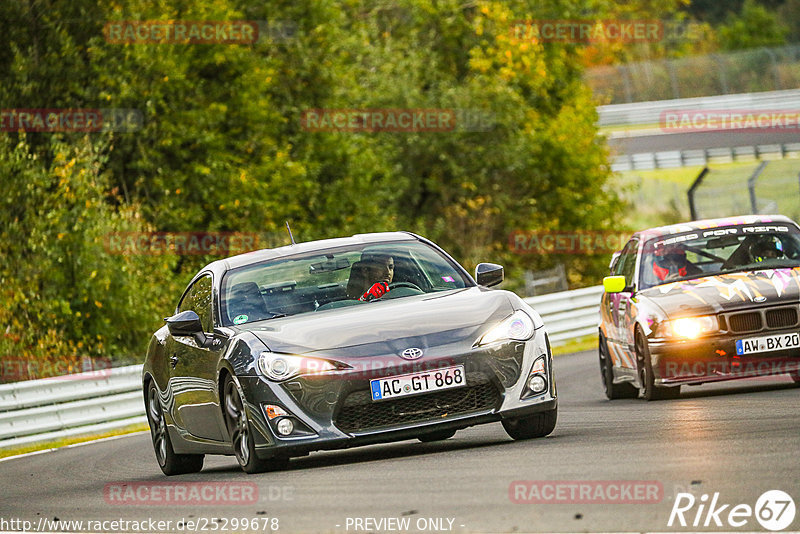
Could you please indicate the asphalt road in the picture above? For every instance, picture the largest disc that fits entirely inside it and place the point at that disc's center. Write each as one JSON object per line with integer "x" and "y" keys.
{"x": 738, "y": 439}
{"x": 700, "y": 140}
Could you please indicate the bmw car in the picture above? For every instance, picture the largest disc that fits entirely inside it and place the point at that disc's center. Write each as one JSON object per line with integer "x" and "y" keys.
{"x": 704, "y": 301}
{"x": 337, "y": 343}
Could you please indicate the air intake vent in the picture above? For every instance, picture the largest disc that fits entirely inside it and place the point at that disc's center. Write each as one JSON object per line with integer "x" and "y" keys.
{"x": 781, "y": 317}
{"x": 745, "y": 322}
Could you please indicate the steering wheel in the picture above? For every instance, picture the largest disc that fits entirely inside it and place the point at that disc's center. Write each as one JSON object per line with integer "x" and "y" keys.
{"x": 405, "y": 284}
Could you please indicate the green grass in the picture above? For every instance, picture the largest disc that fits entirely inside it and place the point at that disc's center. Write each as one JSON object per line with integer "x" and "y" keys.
{"x": 658, "y": 197}
{"x": 15, "y": 451}
{"x": 605, "y": 130}
{"x": 576, "y": 345}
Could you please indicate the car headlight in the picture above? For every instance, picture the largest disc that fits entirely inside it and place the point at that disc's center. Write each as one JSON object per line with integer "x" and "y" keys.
{"x": 278, "y": 367}
{"x": 518, "y": 326}
{"x": 691, "y": 327}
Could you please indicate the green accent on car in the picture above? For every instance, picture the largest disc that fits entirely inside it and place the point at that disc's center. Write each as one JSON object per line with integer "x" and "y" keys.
{"x": 239, "y": 319}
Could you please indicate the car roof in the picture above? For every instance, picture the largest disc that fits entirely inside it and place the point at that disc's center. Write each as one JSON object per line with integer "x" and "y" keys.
{"x": 712, "y": 223}
{"x": 257, "y": 256}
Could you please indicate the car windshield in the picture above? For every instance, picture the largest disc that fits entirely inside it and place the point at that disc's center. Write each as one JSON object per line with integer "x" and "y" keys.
{"x": 334, "y": 278}
{"x": 700, "y": 253}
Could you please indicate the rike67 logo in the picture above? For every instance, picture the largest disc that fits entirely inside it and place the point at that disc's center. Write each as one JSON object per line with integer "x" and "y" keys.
{"x": 774, "y": 510}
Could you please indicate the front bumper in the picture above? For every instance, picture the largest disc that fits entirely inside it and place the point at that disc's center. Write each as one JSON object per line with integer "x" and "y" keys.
{"x": 714, "y": 358}
{"x": 334, "y": 410}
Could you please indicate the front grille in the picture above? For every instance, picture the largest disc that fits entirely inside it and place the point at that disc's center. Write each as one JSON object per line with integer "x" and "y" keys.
{"x": 781, "y": 317}
{"x": 745, "y": 322}
{"x": 360, "y": 413}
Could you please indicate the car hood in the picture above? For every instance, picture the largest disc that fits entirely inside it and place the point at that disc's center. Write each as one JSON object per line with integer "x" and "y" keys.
{"x": 727, "y": 292}
{"x": 388, "y": 326}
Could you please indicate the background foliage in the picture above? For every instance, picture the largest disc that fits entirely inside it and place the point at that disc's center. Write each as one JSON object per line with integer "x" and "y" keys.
{"x": 222, "y": 148}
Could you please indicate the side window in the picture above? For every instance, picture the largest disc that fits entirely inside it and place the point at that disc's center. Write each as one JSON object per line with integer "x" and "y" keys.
{"x": 198, "y": 299}
{"x": 626, "y": 265}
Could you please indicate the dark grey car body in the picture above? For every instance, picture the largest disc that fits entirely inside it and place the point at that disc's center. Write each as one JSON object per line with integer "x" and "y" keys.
{"x": 334, "y": 409}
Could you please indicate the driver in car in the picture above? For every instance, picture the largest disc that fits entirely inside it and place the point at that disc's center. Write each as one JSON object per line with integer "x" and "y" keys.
{"x": 381, "y": 270}
{"x": 765, "y": 248}
{"x": 670, "y": 262}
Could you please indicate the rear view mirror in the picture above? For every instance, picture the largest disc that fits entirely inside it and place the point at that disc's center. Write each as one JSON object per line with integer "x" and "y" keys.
{"x": 489, "y": 274}
{"x": 329, "y": 266}
{"x": 722, "y": 242}
{"x": 614, "y": 284}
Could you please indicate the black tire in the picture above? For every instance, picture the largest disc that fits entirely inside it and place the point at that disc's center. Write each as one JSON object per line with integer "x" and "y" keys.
{"x": 535, "y": 426}
{"x": 645, "y": 363}
{"x": 239, "y": 429}
{"x": 612, "y": 390}
{"x": 437, "y": 436}
{"x": 170, "y": 462}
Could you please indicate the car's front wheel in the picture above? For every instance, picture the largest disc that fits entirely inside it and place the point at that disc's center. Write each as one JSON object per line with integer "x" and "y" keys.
{"x": 170, "y": 462}
{"x": 240, "y": 432}
{"x": 534, "y": 426}
{"x": 645, "y": 363}
{"x": 612, "y": 390}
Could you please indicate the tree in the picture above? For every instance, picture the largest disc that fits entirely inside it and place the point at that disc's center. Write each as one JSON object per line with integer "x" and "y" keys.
{"x": 753, "y": 27}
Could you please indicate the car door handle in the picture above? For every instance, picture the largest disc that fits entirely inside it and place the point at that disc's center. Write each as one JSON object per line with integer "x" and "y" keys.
{"x": 173, "y": 360}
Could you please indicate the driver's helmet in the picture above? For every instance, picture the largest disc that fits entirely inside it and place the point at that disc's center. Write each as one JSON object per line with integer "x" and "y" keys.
{"x": 766, "y": 247}
{"x": 669, "y": 259}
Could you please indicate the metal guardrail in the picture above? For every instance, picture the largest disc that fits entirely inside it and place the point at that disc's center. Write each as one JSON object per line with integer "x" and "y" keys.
{"x": 650, "y": 112}
{"x": 700, "y": 157}
{"x": 569, "y": 314}
{"x": 41, "y": 411}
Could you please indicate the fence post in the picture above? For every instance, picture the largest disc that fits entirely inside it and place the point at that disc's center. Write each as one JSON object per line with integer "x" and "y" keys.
{"x": 751, "y": 186}
{"x": 775, "y": 74}
{"x": 690, "y": 193}
{"x": 723, "y": 76}
{"x": 626, "y": 82}
{"x": 672, "y": 79}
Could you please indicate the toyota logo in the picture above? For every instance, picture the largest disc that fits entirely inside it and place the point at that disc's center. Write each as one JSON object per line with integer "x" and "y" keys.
{"x": 411, "y": 354}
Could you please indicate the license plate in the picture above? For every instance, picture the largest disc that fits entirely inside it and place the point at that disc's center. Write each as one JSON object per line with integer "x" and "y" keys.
{"x": 415, "y": 383}
{"x": 767, "y": 343}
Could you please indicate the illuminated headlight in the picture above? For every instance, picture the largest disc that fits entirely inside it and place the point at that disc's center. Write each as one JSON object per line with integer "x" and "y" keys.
{"x": 691, "y": 327}
{"x": 518, "y": 326}
{"x": 280, "y": 367}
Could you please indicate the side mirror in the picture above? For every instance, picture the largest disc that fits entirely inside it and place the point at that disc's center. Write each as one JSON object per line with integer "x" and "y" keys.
{"x": 614, "y": 284}
{"x": 489, "y": 274}
{"x": 186, "y": 324}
